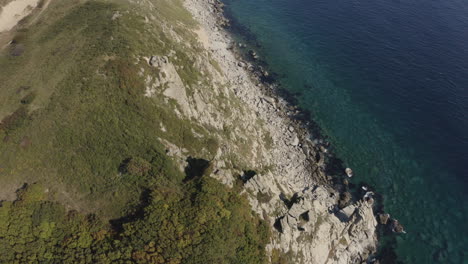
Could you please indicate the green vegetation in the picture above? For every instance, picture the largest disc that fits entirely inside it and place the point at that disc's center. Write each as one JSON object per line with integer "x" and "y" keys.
{"x": 202, "y": 222}
{"x": 73, "y": 116}
{"x": 264, "y": 197}
{"x": 278, "y": 257}
{"x": 77, "y": 95}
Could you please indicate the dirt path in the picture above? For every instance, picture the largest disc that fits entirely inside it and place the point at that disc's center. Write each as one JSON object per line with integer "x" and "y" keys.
{"x": 43, "y": 8}
{"x": 14, "y": 12}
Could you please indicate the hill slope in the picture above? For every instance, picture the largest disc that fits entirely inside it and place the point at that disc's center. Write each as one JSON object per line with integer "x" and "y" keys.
{"x": 75, "y": 119}
{"x": 142, "y": 138}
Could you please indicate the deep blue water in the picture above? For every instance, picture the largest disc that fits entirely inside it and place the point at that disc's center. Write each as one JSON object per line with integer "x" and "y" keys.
{"x": 387, "y": 81}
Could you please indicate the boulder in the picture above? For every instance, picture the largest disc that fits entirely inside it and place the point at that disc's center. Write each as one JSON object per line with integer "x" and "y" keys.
{"x": 241, "y": 45}
{"x": 253, "y": 54}
{"x": 295, "y": 141}
{"x": 344, "y": 199}
{"x": 345, "y": 182}
{"x": 383, "y": 218}
{"x": 158, "y": 61}
{"x": 397, "y": 227}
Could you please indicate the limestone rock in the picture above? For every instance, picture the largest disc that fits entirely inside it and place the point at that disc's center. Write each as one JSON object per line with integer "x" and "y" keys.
{"x": 291, "y": 195}
{"x": 295, "y": 141}
{"x": 158, "y": 61}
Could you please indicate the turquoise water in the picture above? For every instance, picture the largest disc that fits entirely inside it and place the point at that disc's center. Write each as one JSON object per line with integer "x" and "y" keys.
{"x": 387, "y": 81}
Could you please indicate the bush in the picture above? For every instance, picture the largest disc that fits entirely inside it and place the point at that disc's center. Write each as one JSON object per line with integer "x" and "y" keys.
{"x": 205, "y": 222}
{"x": 138, "y": 166}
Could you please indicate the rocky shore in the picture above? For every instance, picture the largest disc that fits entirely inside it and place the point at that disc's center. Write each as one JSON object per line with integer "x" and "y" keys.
{"x": 312, "y": 222}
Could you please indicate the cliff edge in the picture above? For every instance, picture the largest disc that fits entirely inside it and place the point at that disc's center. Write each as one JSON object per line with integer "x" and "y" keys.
{"x": 293, "y": 196}
{"x": 122, "y": 109}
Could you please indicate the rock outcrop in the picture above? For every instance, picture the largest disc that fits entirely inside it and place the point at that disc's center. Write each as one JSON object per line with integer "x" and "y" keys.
{"x": 383, "y": 218}
{"x": 281, "y": 169}
{"x": 308, "y": 225}
{"x": 212, "y": 105}
{"x": 312, "y": 227}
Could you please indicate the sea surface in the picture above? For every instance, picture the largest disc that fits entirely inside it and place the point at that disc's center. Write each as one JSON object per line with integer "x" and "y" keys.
{"x": 387, "y": 81}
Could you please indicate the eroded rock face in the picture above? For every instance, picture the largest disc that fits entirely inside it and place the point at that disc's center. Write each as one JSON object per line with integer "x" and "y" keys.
{"x": 169, "y": 82}
{"x": 314, "y": 228}
{"x": 289, "y": 187}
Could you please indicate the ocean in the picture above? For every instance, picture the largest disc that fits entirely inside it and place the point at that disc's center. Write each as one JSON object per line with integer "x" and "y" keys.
{"x": 387, "y": 82}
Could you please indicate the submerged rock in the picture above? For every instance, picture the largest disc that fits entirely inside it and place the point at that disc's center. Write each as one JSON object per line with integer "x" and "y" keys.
{"x": 397, "y": 227}
{"x": 241, "y": 64}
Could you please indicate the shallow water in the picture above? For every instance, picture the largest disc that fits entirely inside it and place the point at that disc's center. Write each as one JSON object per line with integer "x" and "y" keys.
{"x": 388, "y": 83}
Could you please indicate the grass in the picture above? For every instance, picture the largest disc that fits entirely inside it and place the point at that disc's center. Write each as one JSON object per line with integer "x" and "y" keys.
{"x": 83, "y": 125}
{"x": 75, "y": 118}
{"x": 73, "y": 110}
{"x": 263, "y": 197}
{"x": 279, "y": 257}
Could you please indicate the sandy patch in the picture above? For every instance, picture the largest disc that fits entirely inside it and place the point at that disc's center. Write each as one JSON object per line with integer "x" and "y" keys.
{"x": 8, "y": 190}
{"x": 203, "y": 37}
{"x": 14, "y": 12}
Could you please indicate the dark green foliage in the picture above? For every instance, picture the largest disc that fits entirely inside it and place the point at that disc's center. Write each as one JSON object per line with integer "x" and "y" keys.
{"x": 96, "y": 143}
{"x": 205, "y": 223}
{"x": 202, "y": 222}
{"x": 91, "y": 110}
{"x": 33, "y": 230}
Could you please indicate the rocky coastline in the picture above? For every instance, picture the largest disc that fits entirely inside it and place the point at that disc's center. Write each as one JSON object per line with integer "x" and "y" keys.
{"x": 251, "y": 136}
{"x": 345, "y": 228}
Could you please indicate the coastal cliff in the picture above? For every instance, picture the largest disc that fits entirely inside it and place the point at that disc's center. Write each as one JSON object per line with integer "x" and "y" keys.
{"x": 293, "y": 195}
{"x": 179, "y": 85}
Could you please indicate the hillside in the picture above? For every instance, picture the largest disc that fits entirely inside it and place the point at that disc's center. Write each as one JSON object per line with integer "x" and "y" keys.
{"x": 129, "y": 133}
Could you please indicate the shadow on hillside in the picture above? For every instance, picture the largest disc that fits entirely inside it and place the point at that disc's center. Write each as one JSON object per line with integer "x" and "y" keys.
{"x": 196, "y": 168}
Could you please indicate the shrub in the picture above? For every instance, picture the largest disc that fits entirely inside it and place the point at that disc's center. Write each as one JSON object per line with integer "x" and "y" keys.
{"x": 138, "y": 166}
{"x": 206, "y": 222}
